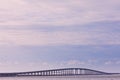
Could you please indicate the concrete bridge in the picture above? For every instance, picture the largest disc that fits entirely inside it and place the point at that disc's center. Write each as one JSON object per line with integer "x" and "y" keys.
{"x": 57, "y": 72}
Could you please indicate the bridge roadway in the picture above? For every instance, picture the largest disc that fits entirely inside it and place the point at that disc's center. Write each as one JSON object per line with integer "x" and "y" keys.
{"x": 57, "y": 72}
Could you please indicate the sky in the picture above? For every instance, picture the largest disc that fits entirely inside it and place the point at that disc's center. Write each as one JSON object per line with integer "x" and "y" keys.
{"x": 50, "y": 34}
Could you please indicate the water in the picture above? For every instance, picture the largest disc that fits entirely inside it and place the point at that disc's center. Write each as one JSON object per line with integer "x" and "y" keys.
{"x": 60, "y": 78}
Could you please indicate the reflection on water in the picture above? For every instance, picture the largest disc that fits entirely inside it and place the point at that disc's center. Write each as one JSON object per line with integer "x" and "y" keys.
{"x": 59, "y": 78}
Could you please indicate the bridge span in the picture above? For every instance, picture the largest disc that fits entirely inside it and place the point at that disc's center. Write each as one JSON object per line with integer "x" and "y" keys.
{"x": 57, "y": 72}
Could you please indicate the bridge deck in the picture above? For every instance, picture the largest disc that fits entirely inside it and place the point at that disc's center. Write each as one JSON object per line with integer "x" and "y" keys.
{"x": 58, "y": 72}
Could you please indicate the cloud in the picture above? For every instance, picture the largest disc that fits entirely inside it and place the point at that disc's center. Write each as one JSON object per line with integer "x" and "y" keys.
{"x": 22, "y": 67}
{"x": 112, "y": 62}
{"x": 75, "y": 62}
{"x": 108, "y": 63}
{"x": 31, "y": 37}
{"x": 57, "y": 13}
{"x": 38, "y": 38}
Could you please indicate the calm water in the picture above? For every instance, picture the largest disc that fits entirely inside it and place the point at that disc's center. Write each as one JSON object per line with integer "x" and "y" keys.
{"x": 59, "y": 78}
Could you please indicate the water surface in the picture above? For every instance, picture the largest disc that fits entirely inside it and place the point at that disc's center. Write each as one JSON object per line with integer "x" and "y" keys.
{"x": 60, "y": 78}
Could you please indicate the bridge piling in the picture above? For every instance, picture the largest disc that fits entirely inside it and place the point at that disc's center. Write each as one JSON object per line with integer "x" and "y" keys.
{"x": 57, "y": 72}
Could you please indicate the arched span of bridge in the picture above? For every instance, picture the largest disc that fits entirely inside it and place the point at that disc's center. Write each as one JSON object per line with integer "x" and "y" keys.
{"x": 62, "y": 72}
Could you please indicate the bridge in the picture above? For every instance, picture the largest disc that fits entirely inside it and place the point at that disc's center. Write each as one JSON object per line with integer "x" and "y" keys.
{"x": 57, "y": 72}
